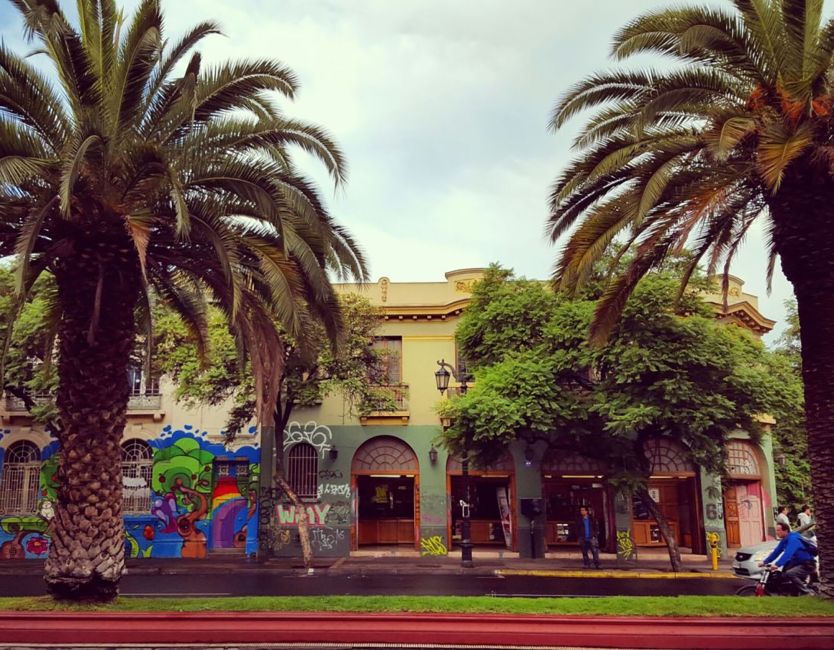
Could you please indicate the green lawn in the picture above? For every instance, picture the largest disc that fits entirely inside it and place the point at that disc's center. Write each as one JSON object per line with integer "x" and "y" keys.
{"x": 613, "y": 606}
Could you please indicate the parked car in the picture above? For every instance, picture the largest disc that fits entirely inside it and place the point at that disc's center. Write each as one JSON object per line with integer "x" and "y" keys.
{"x": 746, "y": 560}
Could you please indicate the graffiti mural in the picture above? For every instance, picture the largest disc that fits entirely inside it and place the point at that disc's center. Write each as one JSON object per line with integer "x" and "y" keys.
{"x": 202, "y": 496}
{"x": 24, "y": 536}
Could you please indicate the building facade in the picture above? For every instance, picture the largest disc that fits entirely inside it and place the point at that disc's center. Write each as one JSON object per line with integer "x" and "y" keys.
{"x": 379, "y": 481}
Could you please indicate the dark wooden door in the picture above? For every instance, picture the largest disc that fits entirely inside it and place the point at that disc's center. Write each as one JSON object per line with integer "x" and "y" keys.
{"x": 731, "y": 518}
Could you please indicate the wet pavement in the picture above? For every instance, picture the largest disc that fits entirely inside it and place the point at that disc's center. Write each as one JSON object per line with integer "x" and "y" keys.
{"x": 253, "y": 584}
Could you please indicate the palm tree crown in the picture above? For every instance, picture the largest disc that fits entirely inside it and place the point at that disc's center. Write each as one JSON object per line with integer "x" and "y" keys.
{"x": 130, "y": 182}
{"x": 697, "y": 150}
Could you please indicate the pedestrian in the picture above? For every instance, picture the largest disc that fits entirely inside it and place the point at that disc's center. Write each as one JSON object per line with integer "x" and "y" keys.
{"x": 782, "y": 516}
{"x": 587, "y": 533}
{"x": 807, "y": 523}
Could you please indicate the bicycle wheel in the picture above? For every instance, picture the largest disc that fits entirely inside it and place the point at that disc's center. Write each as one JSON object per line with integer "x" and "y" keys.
{"x": 746, "y": 590}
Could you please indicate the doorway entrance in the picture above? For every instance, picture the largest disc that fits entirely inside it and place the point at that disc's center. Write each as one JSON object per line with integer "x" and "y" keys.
{"x": 744, "y": 499}
{"x": 492, "y": 515}
{"x": 677, "y": 500}
{"x": 563, "y": 499}
{"x": 386, "y": 510}
{"x": 385, "y": 481}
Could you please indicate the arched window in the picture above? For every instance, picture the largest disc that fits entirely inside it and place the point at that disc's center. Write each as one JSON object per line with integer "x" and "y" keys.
{"x": 303, "y": 470}
{"x": 137, "y": 468}
{"x": 741, "y": 460}
{"x": 21, "y": 477}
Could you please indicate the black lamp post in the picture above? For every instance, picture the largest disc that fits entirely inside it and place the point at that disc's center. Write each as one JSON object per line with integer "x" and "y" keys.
{"x": 442, "y": 379}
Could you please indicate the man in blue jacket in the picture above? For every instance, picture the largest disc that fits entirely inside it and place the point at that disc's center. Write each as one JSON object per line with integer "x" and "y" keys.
{"x": 793, "y": 557}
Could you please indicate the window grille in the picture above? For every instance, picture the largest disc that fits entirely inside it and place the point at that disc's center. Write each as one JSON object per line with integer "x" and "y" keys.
{"x": 20, "y": 482}
{"x": 303, "y": 470}
{"x": 741, "y": 460}
{"x": 137, "y": 469}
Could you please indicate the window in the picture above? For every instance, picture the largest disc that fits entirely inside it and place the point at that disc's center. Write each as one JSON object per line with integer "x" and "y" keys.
{"x": 303, "y": 470}
{"x": 389, "y": 352}
{"x": 140, "y": 383}
{"x": 19, "y": 484}
{"x": 137, "y": 467}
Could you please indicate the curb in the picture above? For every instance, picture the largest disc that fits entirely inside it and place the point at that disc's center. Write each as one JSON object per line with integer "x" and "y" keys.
{"x": 458, "y": 630}
{"x": 643, "y": 575}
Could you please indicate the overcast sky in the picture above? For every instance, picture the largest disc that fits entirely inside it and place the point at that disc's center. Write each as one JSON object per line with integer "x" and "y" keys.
{"x": 441, "y": 108}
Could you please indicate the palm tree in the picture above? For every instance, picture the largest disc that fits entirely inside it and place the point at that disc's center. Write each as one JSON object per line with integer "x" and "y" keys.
{"x": 736, "y": 127}
{"x": 128, "y": 184}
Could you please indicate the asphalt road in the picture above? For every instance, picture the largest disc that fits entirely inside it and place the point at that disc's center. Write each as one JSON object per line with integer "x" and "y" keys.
{"x": 253, "y": 584}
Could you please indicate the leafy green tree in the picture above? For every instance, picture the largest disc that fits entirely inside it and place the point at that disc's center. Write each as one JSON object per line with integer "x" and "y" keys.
{"x": 27, "y": 369}
{"x": 793, "y": 472}
{"x": 737, "y": 129}
{"x": 126, "y": 180}
{"x": 669, "y": 370}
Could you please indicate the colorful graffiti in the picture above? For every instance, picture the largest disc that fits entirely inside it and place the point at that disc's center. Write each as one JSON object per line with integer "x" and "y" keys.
{"x": 24, "y": 538}
{"x": 433, "y": 546}
{"x": 316, "y": 514}
{"x": 625, "y": 545}
{"x": 202, "y": 496}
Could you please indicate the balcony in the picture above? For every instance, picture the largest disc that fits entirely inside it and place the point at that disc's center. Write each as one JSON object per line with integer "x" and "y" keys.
{"x": 150, "y": 403}
{"x": 388, "y": 402}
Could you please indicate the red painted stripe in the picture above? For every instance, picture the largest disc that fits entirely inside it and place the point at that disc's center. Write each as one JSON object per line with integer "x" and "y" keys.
{"x": 198, "y": 628}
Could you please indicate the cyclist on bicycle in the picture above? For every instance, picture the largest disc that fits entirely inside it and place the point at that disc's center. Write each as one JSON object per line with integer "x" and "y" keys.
{"x": 793, "y": 556}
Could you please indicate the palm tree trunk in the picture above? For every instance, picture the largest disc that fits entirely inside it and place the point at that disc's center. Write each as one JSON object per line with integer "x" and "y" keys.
{"x": 97, "y": 288}
{"x": 665, "y": 529}
{"x": 803, "y": 233}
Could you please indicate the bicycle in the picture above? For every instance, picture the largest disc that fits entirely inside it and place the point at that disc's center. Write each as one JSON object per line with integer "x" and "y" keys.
{"x": 774, "y": 583}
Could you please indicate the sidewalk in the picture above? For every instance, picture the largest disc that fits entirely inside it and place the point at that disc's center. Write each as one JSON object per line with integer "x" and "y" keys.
{"x": 410, "y": 563}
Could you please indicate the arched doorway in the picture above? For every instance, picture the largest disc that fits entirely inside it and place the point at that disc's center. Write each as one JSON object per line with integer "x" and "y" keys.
{"x": 569, "y": 482}
{"x": 744, "y": 519}
{"x": 385, "y": 477}
{"x": 493, "y": 518}
{"x": 673, "y": 484}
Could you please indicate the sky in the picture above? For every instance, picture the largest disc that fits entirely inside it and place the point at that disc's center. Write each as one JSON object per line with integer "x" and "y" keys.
{"x": 442, "y": 110}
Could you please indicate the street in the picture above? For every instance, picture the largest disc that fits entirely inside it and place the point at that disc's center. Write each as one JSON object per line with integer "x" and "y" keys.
{"x": 255, "y": 584}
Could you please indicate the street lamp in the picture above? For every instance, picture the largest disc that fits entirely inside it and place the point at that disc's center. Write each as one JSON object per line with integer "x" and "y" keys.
{"x": 441, "y": 378}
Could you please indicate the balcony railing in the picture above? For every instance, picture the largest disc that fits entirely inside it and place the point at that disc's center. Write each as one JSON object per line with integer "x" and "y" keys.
{"x": 136, "y": 402}
{"x": 391, "y": 397}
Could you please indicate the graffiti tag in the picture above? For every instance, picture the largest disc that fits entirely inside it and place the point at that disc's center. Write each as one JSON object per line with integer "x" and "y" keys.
{"x": 326, "y": 539}
{"x": 433, "y": 546}
{"x": 280, "y": 538}
{"x": 316, "y": 514}
{"x": 314, "y": 434}
{"x": 340, "y": 514}
{"x": 330, "y": 475}
{"x": 334, "y": 489}
{"x": 625, "y": 545}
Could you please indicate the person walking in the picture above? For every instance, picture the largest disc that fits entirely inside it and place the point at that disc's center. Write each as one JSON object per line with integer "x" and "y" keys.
{"x": 587, "y": 533}
{"x": 782, "y": 516}
{"x": 807, "y": 523}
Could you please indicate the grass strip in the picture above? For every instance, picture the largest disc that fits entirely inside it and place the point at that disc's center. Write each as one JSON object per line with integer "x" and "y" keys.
{"x": 728, "y": 606}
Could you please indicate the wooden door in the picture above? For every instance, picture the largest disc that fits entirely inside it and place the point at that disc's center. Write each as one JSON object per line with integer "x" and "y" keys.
{"x": 731, "y": 517}
{"x": 749, "y": 516}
